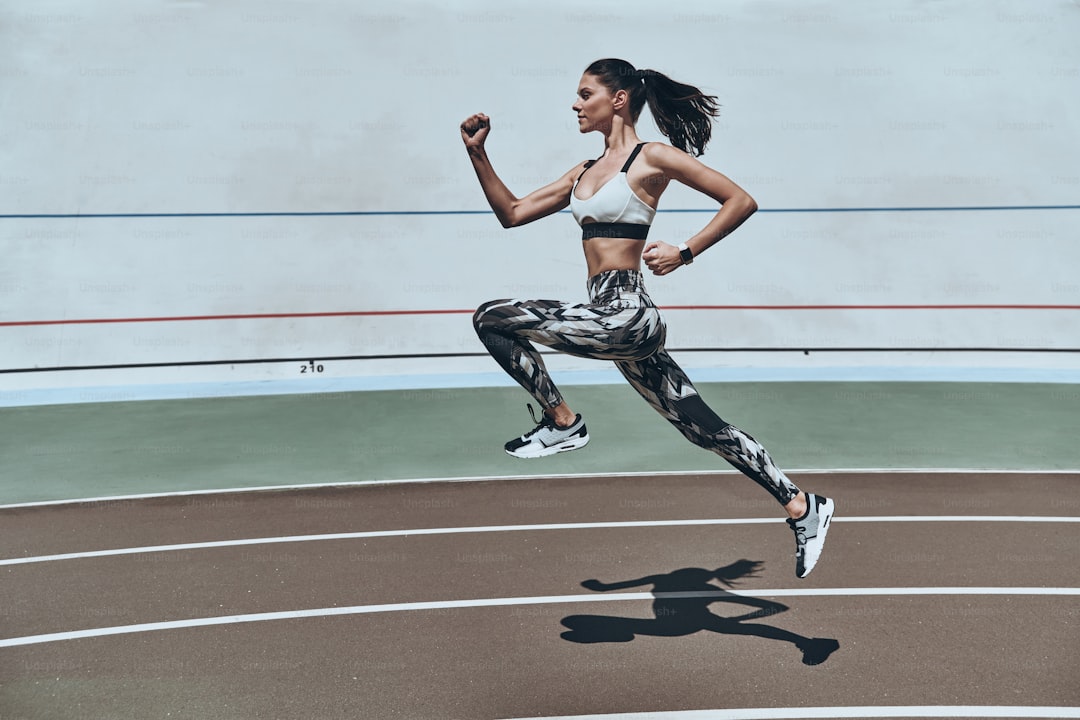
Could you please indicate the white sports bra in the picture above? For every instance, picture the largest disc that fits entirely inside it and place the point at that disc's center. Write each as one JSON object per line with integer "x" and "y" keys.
{"x": 614, "y": 210}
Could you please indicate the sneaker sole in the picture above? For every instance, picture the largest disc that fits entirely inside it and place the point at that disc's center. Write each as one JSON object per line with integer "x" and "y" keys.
{"x": 566, "y": 446}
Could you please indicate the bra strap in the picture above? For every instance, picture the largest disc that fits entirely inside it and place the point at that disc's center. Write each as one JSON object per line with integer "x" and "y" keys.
{"x": 588, "y": 164}
{"x": 634, "y": 154}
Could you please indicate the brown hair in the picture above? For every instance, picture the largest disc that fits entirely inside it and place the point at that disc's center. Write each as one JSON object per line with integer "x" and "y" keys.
{"x": 683, "y": 113}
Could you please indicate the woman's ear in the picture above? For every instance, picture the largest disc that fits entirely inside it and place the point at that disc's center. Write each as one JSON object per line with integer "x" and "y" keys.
{"x": 620, "y": 99}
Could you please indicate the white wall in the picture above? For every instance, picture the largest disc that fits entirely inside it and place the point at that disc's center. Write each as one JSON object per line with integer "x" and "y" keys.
{"x": 158, "y": 108}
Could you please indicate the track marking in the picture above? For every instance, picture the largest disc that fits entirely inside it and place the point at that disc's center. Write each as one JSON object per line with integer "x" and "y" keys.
{"x": 516, "y": 528}
{"x": 505, "y": 602}
{"x": 864, "y": 711}
{"x": 501, "y": 478}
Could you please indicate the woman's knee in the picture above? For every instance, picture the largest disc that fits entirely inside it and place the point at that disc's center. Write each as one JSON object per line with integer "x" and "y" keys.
{"x": 484, "y": 317}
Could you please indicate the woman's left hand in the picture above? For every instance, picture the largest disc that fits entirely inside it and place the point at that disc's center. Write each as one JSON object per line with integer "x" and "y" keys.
{"x": 661, "y": 258}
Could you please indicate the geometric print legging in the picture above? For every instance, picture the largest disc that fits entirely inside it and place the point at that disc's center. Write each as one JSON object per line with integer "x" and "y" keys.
{"x": 620, "y": 323}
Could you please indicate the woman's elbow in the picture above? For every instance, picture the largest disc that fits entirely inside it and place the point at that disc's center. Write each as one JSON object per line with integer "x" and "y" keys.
{"x": 741, "y": 204}
{"x": 513, "y": 217}
{"x": 506, "y": 218}
{"x": 750, "y": 205}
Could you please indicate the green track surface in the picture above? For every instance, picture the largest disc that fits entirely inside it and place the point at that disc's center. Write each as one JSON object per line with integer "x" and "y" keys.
{"x": 57, "y": 452}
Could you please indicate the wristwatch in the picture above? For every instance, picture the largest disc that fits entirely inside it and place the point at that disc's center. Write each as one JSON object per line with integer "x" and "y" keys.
{"x": 686, "y": 254}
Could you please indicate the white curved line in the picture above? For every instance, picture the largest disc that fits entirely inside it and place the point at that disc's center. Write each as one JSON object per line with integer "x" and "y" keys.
{"x": 503, "y": 602}
{"x": 517, "y": 528}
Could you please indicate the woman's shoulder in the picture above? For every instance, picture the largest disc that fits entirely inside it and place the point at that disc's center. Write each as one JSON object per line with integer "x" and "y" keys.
{"x": 662, "y": 151}
{"x": 669, "y": 159}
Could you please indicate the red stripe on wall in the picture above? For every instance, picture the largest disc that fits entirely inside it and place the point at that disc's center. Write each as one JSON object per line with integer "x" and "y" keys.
{"x": 199, "y": 318}
{"x": 381, "y": 313}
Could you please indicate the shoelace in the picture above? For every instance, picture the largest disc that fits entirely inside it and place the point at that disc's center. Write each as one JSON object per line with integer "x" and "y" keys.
{"x": 800, "y": 530}
{"x": 543, "y": 422}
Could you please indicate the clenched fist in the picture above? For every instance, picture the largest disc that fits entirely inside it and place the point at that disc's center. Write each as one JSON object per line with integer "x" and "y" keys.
{"x": 475, "y": 129}
{"x": 661, "y": 258}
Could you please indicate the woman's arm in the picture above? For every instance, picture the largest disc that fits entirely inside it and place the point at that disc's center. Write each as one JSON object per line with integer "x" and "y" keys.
{"x": 511, "y": 210}
{"x": 736, "y": 206}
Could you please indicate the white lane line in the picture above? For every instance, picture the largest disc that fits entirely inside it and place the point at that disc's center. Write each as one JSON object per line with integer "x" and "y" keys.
{"x": 503, "y": 602}
{"x": 381, "y": 534}
{"x": 865, "y": 711}
{"x": 519, "y": 528}
{"x": 498, "y": 478}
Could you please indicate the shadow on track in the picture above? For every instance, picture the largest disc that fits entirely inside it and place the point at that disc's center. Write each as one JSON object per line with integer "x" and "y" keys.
{"x": 681, "y": 608}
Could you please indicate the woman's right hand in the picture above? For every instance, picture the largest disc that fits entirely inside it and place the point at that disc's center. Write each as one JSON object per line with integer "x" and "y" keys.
{"x": 475, "y": 129}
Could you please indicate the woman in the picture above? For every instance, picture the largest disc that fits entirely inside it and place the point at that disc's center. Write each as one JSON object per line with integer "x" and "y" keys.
{"x": 614, "y": 199}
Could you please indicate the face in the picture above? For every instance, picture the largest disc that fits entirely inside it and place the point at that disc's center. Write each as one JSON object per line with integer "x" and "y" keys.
{"x": 595, "y": 104}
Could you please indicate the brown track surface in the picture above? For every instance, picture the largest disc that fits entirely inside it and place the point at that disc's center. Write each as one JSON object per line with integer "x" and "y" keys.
{"x": 513, "y": 661}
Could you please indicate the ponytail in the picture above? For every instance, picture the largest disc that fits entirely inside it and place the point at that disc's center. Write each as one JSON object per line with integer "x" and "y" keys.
{"x": 683, "y": 113}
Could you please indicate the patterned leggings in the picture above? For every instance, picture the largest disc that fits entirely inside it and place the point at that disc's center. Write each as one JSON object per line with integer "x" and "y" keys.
{"x": 621, "y": 324}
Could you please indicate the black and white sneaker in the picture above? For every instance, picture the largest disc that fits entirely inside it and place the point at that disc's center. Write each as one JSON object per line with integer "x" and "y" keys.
{"x": 810, "y": 532}
{"x": 547, "y": 438}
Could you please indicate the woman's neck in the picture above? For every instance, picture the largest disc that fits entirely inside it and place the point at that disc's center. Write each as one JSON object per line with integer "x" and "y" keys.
{"x": 621, "y": 137}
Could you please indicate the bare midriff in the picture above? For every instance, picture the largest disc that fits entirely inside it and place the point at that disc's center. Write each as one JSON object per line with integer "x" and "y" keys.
{"x": 602, "y": 254}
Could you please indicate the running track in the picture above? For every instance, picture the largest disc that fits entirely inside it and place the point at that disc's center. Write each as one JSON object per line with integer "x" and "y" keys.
{"x": 949, "y": 595}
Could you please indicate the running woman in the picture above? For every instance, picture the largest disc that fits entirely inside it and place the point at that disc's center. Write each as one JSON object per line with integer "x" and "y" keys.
{"x": 614, "y": 199}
